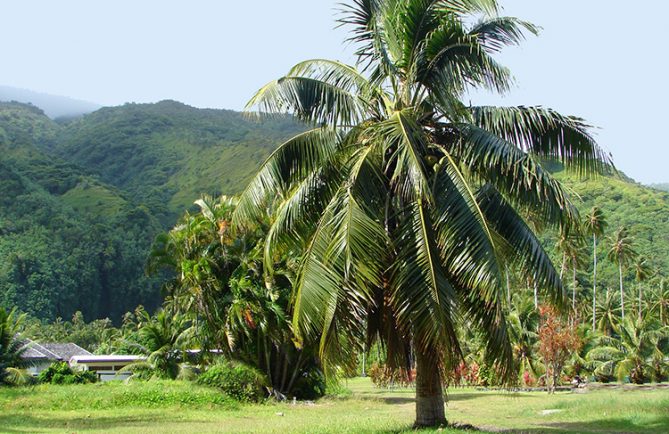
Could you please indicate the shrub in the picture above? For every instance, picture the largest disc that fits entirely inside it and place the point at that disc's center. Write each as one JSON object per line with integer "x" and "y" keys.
{"x": 61, "y": 373}
{"x": 384, "y": 376}
{"x": 237, "y": 380}
{"x": 310, "y": 385}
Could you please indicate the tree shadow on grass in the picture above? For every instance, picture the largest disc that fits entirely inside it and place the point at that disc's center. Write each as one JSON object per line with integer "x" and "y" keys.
{"x": 620, "y": 425}
{"x": 612, "y": 426}
{"x": 465, "y": 396}
{"x": 25, "y": 423}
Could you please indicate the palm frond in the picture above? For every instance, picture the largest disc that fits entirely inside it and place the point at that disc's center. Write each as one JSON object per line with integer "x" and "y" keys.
{"x": 515, "y": 173}
{"x": 529, "y": 253}
{"x": 499, "y": 32}
{"x": 292, "y": 161}
{"x": 313, "y": 101}
{"x": 547, "y": 134}
{"x": 420, "y": 292}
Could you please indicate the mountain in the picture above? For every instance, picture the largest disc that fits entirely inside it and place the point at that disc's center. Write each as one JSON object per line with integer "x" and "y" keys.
{"x": 642, "y": 210}
{"x": 53, "y": 105}
{"x": 82, "y": 200}
{"x": 167, "y": 154}
{"x": 68, "y": 241}
{"x": 664, "y": 186}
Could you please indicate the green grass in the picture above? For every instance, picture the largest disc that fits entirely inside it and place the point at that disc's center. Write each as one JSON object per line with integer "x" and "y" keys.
{"x": 171, "y": 407}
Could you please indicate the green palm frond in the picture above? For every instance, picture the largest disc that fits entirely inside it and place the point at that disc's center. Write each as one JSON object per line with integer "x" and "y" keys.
{"x": 421, "y": 293}
{"x": 547, "y": 134}
{"x": 498, "y": 32}
{"x": 294, "y": 160}
{"x": 516, "y": 174}
{"x": 313, "y": 101}
{"x": 531, "y": 256}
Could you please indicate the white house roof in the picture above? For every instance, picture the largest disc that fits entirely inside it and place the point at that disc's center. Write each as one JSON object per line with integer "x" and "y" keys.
{"x": 106, "y": 358}
{"x": 51, "y": 351}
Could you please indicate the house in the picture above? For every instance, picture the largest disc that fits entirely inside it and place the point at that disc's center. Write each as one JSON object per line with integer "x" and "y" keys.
{"x": 41, "y": 356}
{"x": 106, "y": 367}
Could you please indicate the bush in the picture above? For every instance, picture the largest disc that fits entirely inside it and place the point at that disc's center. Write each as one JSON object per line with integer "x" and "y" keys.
{"x": 383, "y": 376}
{"x": 61, "y": 373}
{"x": 310, "y": 385}
{"x": 237, "y": 380}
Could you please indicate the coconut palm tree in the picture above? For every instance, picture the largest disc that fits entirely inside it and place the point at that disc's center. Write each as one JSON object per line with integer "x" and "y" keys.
{"x": 595, "y": 224}
{"x": 608, "y": 312}
{"x": 571, "y": 245}
{"x": 661, "y": 300}
{"x": 407, "y": 203}
{"x": 637, "y": 347}
{"x": 523, "y": 324}
{"x": 642, "y": 272}
{"x": 621, "y": 253}
{"x": 11, "y": 347}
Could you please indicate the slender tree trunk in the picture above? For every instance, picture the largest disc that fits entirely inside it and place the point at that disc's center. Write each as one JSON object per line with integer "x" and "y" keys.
{"x": 640, "y": 301}
{"x": 536, "y": 295}
{"x": 508, "y": 287}
{"x": 429, "y": 394}
{"x": 573, "y": 290}
{"x": 622, "y": 293}
{"x": 594, "y": 282}
{"x": 563, "y": 266}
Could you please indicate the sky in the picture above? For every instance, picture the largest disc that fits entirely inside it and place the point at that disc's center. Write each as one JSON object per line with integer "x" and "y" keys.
{"x": 603, "y": 60}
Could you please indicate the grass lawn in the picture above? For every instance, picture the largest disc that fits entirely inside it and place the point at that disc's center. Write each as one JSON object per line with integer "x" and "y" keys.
{"x": 175, "y": 407}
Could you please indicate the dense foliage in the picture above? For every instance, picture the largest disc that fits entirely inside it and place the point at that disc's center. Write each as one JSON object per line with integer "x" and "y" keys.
{"x": 61, "y": 373}
{"x": 11, "y": 347}
{"x": 67, "y": 241}
{"x": 167, "y": 154}
{"x": 237, "y": 380}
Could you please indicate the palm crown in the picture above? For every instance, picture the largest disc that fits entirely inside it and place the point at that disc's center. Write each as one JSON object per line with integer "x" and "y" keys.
{"x": 407, "y": 203}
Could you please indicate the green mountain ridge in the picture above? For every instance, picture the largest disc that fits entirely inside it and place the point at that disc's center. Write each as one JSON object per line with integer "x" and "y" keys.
{"x": 67, "y": 241}
{"x": 167, "y": 154}
{"x": 83, "y": 199}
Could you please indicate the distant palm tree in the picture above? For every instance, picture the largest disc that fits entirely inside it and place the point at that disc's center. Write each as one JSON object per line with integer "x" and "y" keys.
{"x": 642, "y": 272}
{"x": 633, "y": 351}
{"x": 608, "y": 312}
{"x": 11, "y": 347}
{"x": 408, "y": 202}
{"x": 621, "y": 253}
{"x": 571, "y": 245}
{"x": 595, "y": 224}
{"x": 661, "y": 300}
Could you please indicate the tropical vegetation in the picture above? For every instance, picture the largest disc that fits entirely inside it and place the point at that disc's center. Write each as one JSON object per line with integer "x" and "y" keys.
{"x": 411, "y": 206}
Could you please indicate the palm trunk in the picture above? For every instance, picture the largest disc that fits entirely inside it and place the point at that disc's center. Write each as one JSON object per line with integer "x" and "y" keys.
{"x": 429, "y": 394}
{"x": 508, "y": 287}
{"x": 573, "y": 290}
{"x": 622, "y": 294}
{"x": 640, "y": 301}
{"x": 536, "y": 295}
{"x": 594, "y": 282}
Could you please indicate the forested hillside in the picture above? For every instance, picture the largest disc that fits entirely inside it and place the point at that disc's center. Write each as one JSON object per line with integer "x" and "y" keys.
{"x": 166, "y": 154}
{"x": 642, "y": 210}
{"x": 82, "y": 200}
{"x": 68, "y": 242}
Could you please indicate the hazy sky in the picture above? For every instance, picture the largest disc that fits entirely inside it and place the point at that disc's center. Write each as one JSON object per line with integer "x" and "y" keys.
{"x": 604, "y": 60}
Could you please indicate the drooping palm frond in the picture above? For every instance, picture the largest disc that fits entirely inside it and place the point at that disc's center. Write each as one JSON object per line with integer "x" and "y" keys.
{"x": 291, "y": 162}
{"x": 314, "y": 101}
{"x": 547, "y": 134}
{"x": 498, "y": 32}
{"x": 465, "y": 240}
{"x": 420, "y": 291}
{"x": 530, "y": 254}
{"x": 516, "y": 174}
